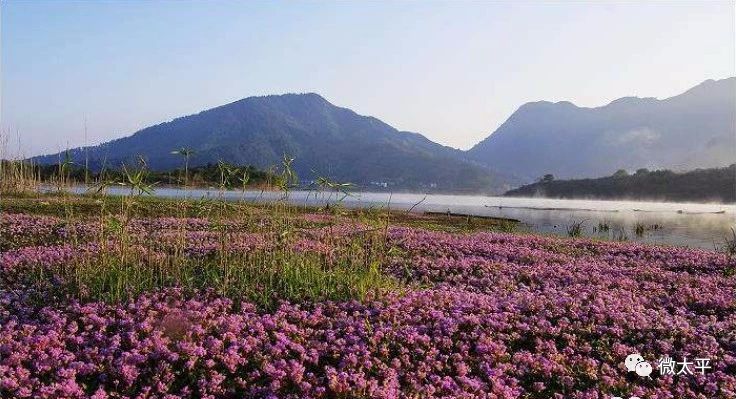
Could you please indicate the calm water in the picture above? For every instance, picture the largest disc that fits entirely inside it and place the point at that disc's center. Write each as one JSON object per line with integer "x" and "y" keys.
{"x": 688, "y": 224}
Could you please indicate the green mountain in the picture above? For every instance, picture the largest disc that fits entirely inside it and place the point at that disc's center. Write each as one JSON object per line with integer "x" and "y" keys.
{"x": 325, "y": 140}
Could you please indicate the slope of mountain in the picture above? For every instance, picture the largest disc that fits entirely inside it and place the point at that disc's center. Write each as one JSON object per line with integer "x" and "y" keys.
{"x": 695, "y": 129}
{"x": 325, "y": 140}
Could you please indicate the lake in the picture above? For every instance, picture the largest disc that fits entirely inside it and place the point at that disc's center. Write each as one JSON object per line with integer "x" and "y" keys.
{"x": 685, "y": 224}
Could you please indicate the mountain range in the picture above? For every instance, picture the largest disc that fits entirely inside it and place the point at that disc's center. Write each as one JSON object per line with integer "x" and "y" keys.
{"x": 694, "y": 129}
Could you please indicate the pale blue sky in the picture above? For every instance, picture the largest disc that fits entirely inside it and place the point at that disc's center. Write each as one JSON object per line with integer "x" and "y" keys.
{"x": 452, "y": 71}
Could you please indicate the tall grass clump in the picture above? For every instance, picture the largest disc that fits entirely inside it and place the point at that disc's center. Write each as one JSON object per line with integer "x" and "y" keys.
{"x": 639, "y": 229}
{"x": 263, "y": 278}
{"x": 507, "y": 226}
{"x": 285, "y": 262}
{"x": 575, "y": 229}
{"x": 729, "y": 248}
{"x": 18, "y": 178}
{"x": 729, "y": 244}
{"x": 128, "y": 264}
{"x": 604, "y": 226}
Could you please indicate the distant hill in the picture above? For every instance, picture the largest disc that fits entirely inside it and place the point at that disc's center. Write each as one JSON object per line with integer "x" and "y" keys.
{"x": 325, "y": 140}
{"x": 695, "y": 129}
{"x": 701, "y": 185}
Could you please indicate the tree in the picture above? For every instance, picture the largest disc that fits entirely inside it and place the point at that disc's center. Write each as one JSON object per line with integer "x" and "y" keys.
{"x": 642, "y": 171}
{"x": 548, "y": 178}
{"x": 621, "y": 173}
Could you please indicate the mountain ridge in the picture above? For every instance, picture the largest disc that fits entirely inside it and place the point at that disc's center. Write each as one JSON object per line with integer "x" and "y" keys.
{"x": 325, "y": 140}
{"x": 687, "y": 131}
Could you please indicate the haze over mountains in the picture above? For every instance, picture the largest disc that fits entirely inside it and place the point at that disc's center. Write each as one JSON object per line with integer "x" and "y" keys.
{"x": 692, "y": 130}
{"x": 688, "y": 131}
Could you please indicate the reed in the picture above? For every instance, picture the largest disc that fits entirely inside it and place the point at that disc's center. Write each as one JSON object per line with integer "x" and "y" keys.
{"x": 575, "y": 229}
{"x": 18, "y": 178}
{"x": 128, "y": 261}
{"x": 604, "y": 226}
{"x": 639, "y": 229}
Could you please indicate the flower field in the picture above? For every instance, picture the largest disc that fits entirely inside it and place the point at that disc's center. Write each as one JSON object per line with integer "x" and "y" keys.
{"x": 202, "y": 307}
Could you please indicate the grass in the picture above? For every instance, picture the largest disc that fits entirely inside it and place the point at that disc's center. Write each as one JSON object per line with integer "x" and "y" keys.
{"x": 17, "y": 178}
{"x": 263, "y": 278}
{"x": 129, "y": 264}
{"x": 620, "y": 235}
{"x": 729, "y": 248}
{"x": 729, "y": 244}
{"x": 575, "y": 229}
{"x": 639, "y": 229}
{"x": 91, "y": 205}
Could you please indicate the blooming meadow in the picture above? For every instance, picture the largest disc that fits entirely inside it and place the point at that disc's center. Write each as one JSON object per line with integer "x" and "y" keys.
{"x": 431, "y": 313}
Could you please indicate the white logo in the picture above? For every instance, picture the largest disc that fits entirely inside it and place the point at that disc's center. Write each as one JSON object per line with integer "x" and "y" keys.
{"x": 634, "y": 362}
{"x": 643, "y": 369}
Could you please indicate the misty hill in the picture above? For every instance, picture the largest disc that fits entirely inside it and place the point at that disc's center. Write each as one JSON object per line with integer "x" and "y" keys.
{"x": 692, "y": 130}
{"x": 324, "y": 139}
{"x": 701, "y": 185}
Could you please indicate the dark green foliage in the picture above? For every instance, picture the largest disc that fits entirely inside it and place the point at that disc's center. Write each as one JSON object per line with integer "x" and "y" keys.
{"x": 547, "y": 178}
{"x": 207, "y": 175}
{"x": 717, "y": 184}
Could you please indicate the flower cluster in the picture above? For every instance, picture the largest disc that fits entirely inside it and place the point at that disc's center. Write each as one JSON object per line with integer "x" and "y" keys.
{"x": 20, "y": 230}
{"x": 485, "y": 315}
{"x": 317, "y": 218}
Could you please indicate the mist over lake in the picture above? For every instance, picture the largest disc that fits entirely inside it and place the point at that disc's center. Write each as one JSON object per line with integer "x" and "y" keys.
{"x": 685, "y": 224}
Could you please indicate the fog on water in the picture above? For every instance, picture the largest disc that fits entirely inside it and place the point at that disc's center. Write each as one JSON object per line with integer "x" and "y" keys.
{"x": 701, "y": 225}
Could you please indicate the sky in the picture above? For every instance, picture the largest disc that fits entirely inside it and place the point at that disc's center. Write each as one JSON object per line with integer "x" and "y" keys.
{"x": 453, "y": 71}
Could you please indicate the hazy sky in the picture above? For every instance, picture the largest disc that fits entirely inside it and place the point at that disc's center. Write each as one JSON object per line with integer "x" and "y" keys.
{"x": 452, "y": 71}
